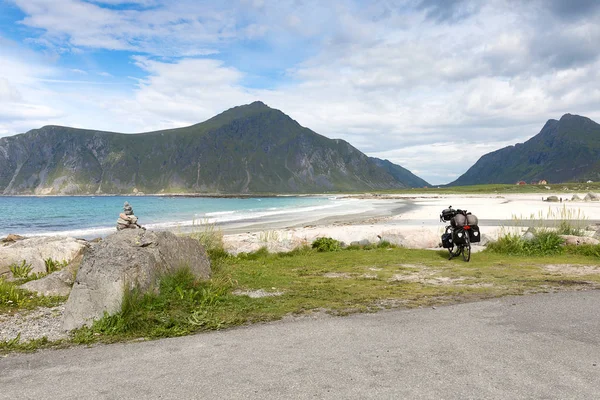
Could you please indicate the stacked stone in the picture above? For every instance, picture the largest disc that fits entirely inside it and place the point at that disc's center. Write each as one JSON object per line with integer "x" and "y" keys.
{"x": 127, "y": 220}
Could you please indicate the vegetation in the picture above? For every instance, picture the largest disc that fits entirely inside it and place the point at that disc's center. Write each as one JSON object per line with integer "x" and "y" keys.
{"x": 53, "y": 265}
{"x": 339, "y": 282}
{"x": 247, "y": 149}
{"x": 565, "y": 150}
{"x": 325, "y": 277}
{"x": 13, "y": 298}
{"x": 20, "y": 271}
{"x": 208, "y": 234}
{"x": 326, "y": 244}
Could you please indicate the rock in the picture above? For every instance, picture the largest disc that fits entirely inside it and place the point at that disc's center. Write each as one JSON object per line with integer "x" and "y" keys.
{"x": 552, "y": 199}
{"x": 575, "y": 198}
{"x": 579, "y": 240}
{"x": 419, "y": 239}
{"x": 11, "y": 237}
{"x": 58, "y": 283}
{"x": 393, "y": 238}
{"x": 485, "y": 240}
{"x": 363, "y": 242}
{"x": 35, "y": 250}
{"x": 597, "y": 235}
{"x": 528, "y": 236}
{"x": 592, "y": 228}
{"x": 591, "y": 197}
{"x": 128, "y": 259}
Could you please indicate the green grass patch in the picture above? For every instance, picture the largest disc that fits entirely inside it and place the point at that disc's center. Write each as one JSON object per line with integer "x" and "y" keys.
{"x": 306, "y": 281}
{"x": 13, "y": 298}
{"x": 338, "y": 283}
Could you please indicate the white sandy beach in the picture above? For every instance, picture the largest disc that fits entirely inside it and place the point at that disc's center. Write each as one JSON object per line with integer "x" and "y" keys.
{"x": 413, "y": 220}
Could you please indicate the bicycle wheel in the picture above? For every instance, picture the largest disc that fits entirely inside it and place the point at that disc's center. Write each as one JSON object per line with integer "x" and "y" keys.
{"x": 454, "y": 251}
{"x": 466, "y": 249}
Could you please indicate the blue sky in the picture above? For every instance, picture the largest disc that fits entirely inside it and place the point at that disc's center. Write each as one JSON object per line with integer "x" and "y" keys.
{"x": 430, "y": 85}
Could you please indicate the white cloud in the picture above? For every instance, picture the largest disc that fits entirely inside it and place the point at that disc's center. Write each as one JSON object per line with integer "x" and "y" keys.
{"x": 417, "y": 85}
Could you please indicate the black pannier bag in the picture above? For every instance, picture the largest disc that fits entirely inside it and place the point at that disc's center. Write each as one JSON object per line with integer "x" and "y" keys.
{"x": 459, "y": 236}
{"x": 447, "y": 214}
{"x": 447, "y": 242}
{"x": 458, "y": 221}
{"x": 474, "y": 234}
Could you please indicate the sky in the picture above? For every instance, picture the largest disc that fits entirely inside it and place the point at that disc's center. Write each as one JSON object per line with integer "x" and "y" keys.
{"x": 429, "y": 85}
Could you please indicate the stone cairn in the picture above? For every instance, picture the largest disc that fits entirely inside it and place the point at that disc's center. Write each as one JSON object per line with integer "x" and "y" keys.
{"x": 127, "y": 220}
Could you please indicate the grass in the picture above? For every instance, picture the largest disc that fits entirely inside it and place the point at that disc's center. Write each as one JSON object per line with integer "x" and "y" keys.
{"x": 335, "y": 282}
{"x": 13, "y": 298}
{"x": 341, "y": 282}
{"x": 208, "y": 234}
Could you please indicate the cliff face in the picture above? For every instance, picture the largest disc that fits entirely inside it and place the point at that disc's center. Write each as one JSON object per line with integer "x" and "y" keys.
{"x": 565, "y": 150}
{"x": 247, "y": 149}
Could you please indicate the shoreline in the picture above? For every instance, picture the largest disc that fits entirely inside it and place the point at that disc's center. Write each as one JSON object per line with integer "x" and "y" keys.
{"x": 414, "y": 217}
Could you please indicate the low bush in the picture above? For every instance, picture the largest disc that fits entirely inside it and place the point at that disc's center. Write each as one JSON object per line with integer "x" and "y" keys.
{"x": 326, "y": 244}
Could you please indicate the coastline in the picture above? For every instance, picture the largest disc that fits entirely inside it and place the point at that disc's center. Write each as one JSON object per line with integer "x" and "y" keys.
{"x": 412, "y": 217}
{"x": 412, "y": 220}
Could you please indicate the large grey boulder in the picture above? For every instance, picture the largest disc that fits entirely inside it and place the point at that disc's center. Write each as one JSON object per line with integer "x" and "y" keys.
{"x": 58, "y": 283}
{"x": 35, "y": 250}
{"x": 126, "y": 260}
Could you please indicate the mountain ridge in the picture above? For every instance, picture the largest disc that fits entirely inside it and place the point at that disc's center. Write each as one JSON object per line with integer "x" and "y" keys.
{"x": 564, "y": 150}
{"x": 246, "y": 149}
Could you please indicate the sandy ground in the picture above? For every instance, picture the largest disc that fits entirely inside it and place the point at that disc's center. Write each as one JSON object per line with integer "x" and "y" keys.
{"x": 409, "y": 220}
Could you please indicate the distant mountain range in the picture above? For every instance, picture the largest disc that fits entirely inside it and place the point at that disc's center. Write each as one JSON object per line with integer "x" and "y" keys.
{"x": 567, "y": 150}
{"x": 247, "y": 149}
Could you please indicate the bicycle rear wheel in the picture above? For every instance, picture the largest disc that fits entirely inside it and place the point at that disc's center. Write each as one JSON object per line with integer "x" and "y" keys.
{"x": 466, "y": 249}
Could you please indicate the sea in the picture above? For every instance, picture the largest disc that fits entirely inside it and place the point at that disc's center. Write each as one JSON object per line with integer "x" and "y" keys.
{"x": 89, "y": 217}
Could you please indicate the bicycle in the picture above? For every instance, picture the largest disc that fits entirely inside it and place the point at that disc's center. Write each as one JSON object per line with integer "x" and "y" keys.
{"x": 459, "y": 234}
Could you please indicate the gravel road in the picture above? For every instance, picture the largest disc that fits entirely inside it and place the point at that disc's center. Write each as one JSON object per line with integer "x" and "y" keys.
{"x": 543, "y": 346}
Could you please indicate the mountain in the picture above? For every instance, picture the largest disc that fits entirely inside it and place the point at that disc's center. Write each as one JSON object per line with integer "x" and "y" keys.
{"x": 247, "y": 149}
{"x": 399, "y": 173}
{"x": 564, "y": 151}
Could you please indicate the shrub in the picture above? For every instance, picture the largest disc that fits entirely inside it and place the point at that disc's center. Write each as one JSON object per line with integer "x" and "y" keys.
{"x": 20, "y": 271}
{"x": 326, "y": 244}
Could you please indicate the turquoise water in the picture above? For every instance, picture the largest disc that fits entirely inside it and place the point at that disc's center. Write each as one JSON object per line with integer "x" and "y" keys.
{"x": 89, "y": 217}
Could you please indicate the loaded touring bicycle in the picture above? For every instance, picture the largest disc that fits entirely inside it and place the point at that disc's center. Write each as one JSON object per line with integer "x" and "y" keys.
{"x": 460, "y": 233}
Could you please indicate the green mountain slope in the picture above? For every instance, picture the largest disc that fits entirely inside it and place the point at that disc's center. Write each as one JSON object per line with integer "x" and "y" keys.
{"x": 401, "y": 174}
{"x": 247, "y": 149}
{"x": 564, "y": 151}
